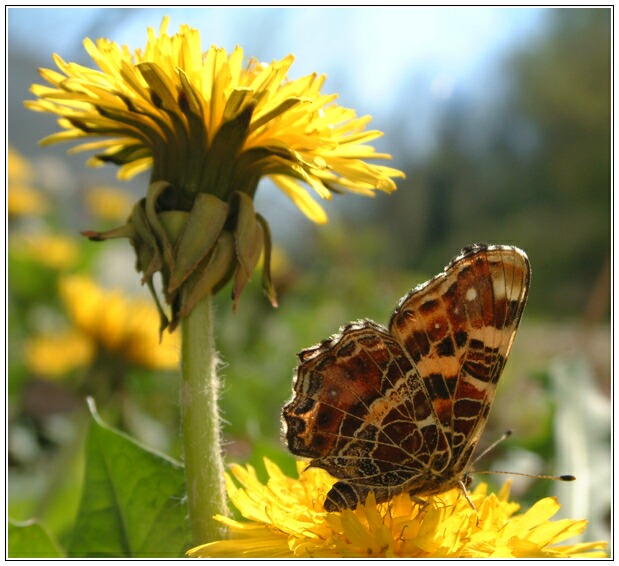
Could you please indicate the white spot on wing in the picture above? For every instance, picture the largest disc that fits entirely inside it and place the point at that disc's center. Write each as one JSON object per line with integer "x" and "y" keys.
{"x": 471, "y": 294}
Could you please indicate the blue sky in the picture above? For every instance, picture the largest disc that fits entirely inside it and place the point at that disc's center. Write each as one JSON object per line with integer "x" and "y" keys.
{"x": 373, "y": 57}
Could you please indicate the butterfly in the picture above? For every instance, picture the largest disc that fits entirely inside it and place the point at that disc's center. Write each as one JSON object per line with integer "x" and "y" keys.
{"x": 402, "y": 408}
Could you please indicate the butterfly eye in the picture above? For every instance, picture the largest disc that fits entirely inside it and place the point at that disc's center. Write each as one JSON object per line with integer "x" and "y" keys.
{"x": 467, "y": 480}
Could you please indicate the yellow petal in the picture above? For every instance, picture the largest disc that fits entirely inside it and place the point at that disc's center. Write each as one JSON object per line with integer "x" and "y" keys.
{"x": 301, "y": 198}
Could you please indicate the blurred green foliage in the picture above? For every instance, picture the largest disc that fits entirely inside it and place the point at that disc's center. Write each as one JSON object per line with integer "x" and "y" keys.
{"x": 531, "y": 169}
{"x": 31, "y": 540}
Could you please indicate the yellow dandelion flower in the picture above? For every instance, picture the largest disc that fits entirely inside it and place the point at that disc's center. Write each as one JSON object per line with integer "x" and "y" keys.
{"x": 118, "y": 324}
{"x": 55, "y": 355}
{"x": 52, "y": 250}
{"x": 108, "y": 203}
{"x": 22, "y": 199}
{"x": 209, "y": 127}
{"x": 285, "y": 518}
{"x": 19, "y": 168}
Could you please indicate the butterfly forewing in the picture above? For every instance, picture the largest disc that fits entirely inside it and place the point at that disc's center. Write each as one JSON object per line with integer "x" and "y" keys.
{"x": 459, "y": 328}
{"x": 402, "y": 409}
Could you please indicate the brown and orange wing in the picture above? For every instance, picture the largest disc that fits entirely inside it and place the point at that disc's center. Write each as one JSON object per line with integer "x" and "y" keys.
{"x": 402, "y": 409}
{"x": 458, "y": 329}
{"x": 357, "y": 399}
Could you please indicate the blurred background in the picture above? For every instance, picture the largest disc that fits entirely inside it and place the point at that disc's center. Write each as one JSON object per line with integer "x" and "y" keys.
{"x": 501, "y": 120}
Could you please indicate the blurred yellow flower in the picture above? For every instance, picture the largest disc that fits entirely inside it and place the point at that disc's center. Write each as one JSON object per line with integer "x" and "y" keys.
{"x": 23, "y": 198}
{"x": 118, "y": 324}
{"x": 55, "y": 355}
{"x": 52, "y": 250}
{"x": 19, "y": 168}
{"x": 285, "y": 518}
{"x": 109, "y": 203}
{"x": 209, "y": 126}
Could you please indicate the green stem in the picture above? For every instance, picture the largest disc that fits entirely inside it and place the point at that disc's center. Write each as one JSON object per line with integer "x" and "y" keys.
{"x": 204, "y": 469}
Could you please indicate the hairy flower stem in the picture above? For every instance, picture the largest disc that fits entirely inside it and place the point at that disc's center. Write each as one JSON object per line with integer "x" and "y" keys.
{"x": 204, "y": 470}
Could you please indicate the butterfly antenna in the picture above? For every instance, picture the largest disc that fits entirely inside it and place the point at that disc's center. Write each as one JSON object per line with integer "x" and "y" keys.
{"x": 503, "y": 437}
{"x": 536, "y": 476}
{"x": 498, "y": 441}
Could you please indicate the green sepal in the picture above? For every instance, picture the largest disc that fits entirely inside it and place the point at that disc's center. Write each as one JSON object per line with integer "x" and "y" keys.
{"x": 147, "y": 250}
{"x": 202, "y": 228}
{"x": 267, "y": 283}
{"x": 248, "y": 241}
{"x": 248, "y": 237}
{"x": 148, "y": 256}
{"x": 164, "y": 321}
{"x": 155, "y": 190}
{"x": 211, "y": 275}
{"x": 124, "y": 231}
{"x": 174, "y": 222}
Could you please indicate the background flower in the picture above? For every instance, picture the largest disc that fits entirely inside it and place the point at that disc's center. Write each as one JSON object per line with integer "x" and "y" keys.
{"x": 118, "y": 324}
{"x": 56, "y": 251}
{"x": 23, "y": 198}
{"x": 108, "y": 203}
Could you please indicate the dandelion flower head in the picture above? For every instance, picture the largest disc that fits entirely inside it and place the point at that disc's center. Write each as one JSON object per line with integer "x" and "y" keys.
{"x": 178, "y": 110}
{"x": 209, "y": 126}
{"x": 285, "y": 518}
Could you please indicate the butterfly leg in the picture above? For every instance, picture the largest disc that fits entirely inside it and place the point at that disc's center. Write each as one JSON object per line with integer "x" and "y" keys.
{"x": 423, "y": 503}
{"x": 466, "y": 496}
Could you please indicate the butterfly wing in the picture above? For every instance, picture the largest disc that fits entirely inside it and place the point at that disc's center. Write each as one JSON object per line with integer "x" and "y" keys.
{"x": 353, "y": 413}
{"x": 402, "y": 409}
{"x": 458, "y": 329}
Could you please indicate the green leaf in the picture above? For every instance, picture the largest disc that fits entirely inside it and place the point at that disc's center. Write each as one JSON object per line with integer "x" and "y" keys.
{"x": 132, "y": 502}
{"x": 30, "y": 539}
